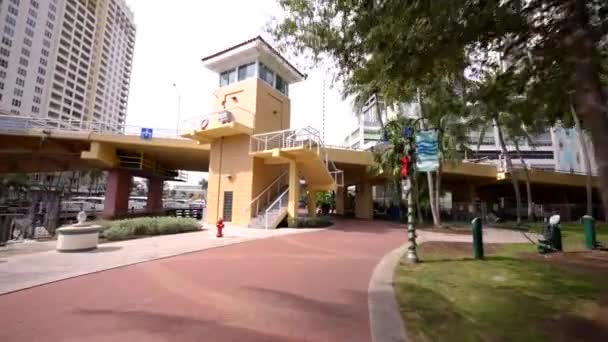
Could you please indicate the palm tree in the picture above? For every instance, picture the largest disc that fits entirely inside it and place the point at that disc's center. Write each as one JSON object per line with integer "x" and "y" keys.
{"x": 528, "y": 185}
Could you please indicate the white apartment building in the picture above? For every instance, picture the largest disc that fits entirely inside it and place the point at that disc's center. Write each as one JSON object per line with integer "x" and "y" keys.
{"x": 557, "y": 149}
{"x": 66, "y": 60}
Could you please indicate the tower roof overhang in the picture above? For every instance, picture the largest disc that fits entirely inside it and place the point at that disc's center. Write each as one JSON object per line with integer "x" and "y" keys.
{"x": 253, "y": 49}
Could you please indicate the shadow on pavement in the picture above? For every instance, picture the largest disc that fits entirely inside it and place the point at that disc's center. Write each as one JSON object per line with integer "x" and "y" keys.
{"x": 175, "y": 327}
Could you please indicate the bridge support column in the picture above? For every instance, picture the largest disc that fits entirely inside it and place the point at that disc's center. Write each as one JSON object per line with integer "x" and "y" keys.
{"x": 364, "y": 203}
{"x": 340, "y": 199}
{"x": 294, "y": 190}
{"x": 154, "y": 204}
{"x": 312, "y": 203}
{"x": 117, "y": 193}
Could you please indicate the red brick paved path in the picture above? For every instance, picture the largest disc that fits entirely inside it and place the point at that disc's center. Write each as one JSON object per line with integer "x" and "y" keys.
{"x": 303, "y": 287}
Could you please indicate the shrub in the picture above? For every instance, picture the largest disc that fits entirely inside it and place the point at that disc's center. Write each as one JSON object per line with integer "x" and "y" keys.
{"x": 309, "y": 222}
{"x": 148, "y": 226}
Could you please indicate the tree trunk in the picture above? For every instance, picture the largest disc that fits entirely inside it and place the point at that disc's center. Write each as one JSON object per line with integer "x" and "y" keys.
{"x": 438, "y": 175}
{"x": 528, "y": 186}
{"x": 589, "y": 100}
{"x": 416, "y": 194}
{"x": 587, "y": 160}
{"x": 436, "y": 221}
{"x": 429, "y": 175}
{"x": 510, "y": 170}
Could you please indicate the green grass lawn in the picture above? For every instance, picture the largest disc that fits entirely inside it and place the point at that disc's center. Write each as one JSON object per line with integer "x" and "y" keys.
{"x": 450, "y": 297}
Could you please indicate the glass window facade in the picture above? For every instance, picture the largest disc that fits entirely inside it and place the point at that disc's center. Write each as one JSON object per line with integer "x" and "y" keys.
{"x": 266, "y": 74}
{"x": 246, "y": 71}
{"x": 227, "y": 77}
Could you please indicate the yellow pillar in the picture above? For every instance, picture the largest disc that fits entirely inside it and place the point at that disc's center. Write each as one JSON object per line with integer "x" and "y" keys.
{"x": 294, "y": 190}
{"x": 340, "y": 200}
{"x": 312, "y": 203}
{"x": 364, "y": 206}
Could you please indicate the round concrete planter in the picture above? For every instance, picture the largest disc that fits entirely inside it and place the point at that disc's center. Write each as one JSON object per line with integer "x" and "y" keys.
{"x": 77, "y": 239}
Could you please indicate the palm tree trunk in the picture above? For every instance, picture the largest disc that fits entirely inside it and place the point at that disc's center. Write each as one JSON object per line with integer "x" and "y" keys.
{"x": 510, "y": 170}
{"x": 588, "y": 97}
{"x": 417, "y": 196}
{"x": 583, "y": 142}
{"x": 528, "y": 186}
{"x": 438, "y": 179}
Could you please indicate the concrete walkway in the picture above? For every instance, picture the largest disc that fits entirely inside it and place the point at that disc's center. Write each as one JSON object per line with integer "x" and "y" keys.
{"x": 292, "y": 287}
{"x": 43, "y": 264}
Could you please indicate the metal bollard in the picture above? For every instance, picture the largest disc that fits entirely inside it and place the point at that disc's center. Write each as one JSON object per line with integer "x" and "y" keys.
{"x": 477, "y": 238}
{"x": 590, "y": 235}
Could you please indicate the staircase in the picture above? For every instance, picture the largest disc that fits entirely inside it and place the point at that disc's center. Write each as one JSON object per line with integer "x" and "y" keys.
{"x": 303, "y": 145}
{"x": 270, "y": 205}
{"x": 272, "y": 215}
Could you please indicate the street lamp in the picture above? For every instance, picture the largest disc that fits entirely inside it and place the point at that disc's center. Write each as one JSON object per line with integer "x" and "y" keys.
{"x": 179, "y": 100}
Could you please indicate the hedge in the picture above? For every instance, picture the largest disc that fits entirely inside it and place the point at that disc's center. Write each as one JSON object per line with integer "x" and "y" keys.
{"x": 309, "y": 222}
{"x": 147, "y": 226}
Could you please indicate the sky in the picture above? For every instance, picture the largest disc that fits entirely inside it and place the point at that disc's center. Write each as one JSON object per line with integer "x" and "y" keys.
{"x": 169, "y": 45}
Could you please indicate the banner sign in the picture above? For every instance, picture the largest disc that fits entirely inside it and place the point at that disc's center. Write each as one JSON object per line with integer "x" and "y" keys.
{"x": 427, "y": 151}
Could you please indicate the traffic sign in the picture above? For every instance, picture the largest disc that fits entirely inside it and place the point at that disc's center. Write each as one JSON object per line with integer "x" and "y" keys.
{"x": 146, "y": 133}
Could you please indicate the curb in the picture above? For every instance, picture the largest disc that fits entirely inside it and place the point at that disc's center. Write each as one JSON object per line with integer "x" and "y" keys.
{"x": 386, "y": 324}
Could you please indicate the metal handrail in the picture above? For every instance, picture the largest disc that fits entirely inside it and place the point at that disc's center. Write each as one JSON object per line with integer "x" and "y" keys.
{"x": 307, "y": 137}
{"x": 279, "y": 182}
{"x": 279, "y": 201}
{"x": 18, "y": 123}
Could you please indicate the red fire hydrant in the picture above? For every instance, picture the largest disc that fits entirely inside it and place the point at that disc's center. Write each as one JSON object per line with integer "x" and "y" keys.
{"x": 220, "y": 226}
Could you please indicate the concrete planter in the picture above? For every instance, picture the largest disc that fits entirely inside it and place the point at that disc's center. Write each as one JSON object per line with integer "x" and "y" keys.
{"x": 77, "y": 239}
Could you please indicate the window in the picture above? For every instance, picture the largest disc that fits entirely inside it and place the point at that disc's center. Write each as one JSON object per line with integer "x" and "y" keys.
{"x": 6, "y": 41}
{"x": 21, "y": 72}
{"x": 23, "y": 61}
{"x": 31, "y": 22}
{"x": 32, "y": 13}
{"x": 4, "y": 51}
{"x": 266, "y": 74}
{"x": 18, "y": 92}
{"x": 246, "y": 71}
{"x": 37, "y": 90}
{"x": 29, "y": 32}
{"x": 9, "y": 31}
{"x": 25, "y": 52}
{"x": 3, "y": 63}
{"x": 47, "y": 34}
{"x": 15, "y": 2}
{"x": 35, "y": 109}
{"x": 36, "y": 99}
{"x": 1, "y": 85}
{"x": 34, "y": 4}
{"x": 2, "y": 74}
{"x": 45, "y": 52}
{"x": 27, "y": 41}
{"x": 16, "y": 103}
{"x": 281, "y": 85}
{"x": 227, "y": 77}
{"x": 43, "y": 61}
{"x": 40, "y": 80}
{"x": 11, "y": 20}
{"x": 20, "y": 82}
{"x": 13, "y": 10}
{"x": 41, "y": 71}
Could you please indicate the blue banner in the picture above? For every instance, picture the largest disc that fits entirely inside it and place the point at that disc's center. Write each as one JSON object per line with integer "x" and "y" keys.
{"x": 427, "y": 151}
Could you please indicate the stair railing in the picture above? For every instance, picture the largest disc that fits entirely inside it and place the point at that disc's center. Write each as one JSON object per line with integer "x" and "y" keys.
{"x": 279, "y": 204}
{"x": 267, "y": 194}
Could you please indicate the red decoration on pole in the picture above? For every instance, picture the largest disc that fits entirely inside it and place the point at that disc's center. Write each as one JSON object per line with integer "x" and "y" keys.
{"x": 405, "y": 163}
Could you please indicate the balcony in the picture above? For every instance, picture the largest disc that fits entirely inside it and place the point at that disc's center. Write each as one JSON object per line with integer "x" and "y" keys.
{"x": 228, "y": 122}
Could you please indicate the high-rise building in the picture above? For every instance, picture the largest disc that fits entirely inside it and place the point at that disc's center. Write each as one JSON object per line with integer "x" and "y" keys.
{"x": 68, "y": 60}
{"x": 556, "y": 149}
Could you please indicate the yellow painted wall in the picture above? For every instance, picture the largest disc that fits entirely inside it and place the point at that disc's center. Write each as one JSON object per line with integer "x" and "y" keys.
{"x": 239, "y": 98}
{"x": 234, "y": 174}
{"x": 364, "y": 205}
{"x": 272, "y": 111}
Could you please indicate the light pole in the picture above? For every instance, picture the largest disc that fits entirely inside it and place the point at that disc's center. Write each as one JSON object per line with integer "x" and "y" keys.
{"x": 179, "y": 100}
